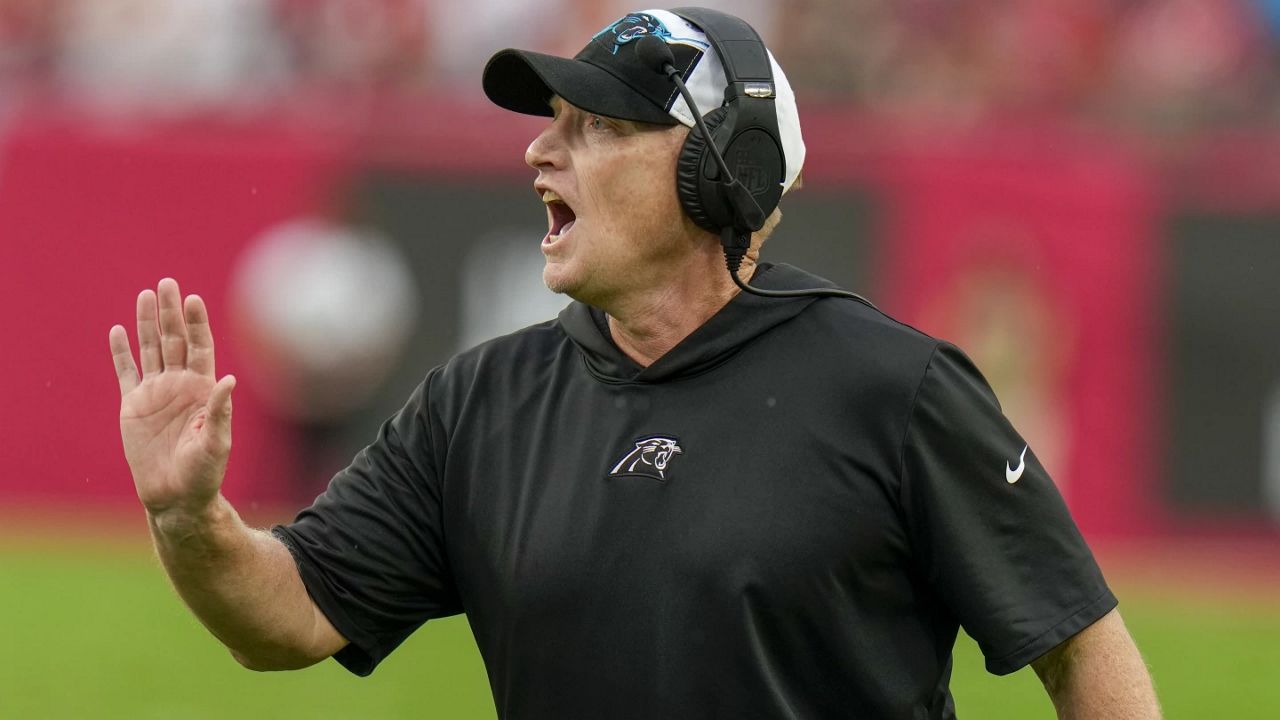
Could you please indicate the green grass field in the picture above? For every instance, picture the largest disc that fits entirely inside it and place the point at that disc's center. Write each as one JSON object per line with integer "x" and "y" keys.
{"x": 91, "y": 629}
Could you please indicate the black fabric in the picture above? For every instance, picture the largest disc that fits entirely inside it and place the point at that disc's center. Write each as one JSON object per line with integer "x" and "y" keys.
{"x": 524, "y": 81}
{"x": 608, "y": 77}
{"x": 976, "y": 564}
{"x": 788, "y": 515}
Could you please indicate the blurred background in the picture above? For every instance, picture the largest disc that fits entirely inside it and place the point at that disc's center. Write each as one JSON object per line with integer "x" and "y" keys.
{"x": 1083, "y": 194}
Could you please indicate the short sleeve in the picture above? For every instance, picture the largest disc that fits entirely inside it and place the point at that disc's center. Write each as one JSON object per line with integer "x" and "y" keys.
{"x": 370, "y": 550}
{"x": 988, "y": 527}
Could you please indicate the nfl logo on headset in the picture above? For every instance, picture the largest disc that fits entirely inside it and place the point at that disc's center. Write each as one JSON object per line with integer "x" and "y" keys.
{"x": 753, "y": 177}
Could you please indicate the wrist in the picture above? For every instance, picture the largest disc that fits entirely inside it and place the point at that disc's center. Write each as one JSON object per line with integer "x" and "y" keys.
{"x": 180, "y": 523}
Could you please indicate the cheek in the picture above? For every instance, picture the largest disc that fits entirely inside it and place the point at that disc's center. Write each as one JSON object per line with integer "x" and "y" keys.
{"x": 659, "y": 205}
{"x": 639, "y": 198}
{"x": 631, "y": 211}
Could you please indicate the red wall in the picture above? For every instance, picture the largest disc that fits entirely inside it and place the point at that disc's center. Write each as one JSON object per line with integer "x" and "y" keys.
{"x": 89, "y": 217}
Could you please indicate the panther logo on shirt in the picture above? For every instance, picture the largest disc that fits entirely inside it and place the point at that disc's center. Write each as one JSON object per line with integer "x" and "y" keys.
{"x": 649, "y": 458}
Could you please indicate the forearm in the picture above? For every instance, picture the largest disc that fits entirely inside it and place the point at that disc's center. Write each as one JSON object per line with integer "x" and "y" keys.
{"x": 244, "y": 586}
{"x": 1099, "y": 674}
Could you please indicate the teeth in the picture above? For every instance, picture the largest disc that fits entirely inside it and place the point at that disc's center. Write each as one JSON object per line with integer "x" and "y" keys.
{"x": 550, "y": 196}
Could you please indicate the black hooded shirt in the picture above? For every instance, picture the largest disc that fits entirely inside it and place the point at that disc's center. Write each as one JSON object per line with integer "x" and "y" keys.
{"x": 788, "y": 515}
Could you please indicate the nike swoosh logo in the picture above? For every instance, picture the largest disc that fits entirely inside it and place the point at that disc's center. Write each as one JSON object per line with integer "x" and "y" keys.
{"x": 1013, "y": 475}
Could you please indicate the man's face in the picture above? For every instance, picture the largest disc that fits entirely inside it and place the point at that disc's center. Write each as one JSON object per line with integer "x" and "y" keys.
{"x": 614, "y": 221}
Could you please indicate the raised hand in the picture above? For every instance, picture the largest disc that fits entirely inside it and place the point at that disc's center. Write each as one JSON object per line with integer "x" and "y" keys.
{"x": 176, "y": 419}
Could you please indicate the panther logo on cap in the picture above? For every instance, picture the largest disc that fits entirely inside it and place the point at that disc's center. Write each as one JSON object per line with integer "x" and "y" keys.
{"x": 649, "y": 458}
{"x": 637, "y": 25}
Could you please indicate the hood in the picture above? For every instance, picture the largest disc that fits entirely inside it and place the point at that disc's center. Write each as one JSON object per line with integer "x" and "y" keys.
{"x": 744, "y": 318}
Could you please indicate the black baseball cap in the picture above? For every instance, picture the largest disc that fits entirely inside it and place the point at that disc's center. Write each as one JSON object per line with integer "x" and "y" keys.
{"x": 606, "y": 77}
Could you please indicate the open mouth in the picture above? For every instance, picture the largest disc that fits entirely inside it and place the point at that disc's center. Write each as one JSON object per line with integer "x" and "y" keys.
{"x": 560, "y": 214}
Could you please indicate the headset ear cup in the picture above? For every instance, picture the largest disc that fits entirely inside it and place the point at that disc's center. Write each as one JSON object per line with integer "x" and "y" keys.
{"x": 699, "y": 197}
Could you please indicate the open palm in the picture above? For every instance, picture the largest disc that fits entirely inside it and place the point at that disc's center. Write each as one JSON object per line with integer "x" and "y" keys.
{"x": 175, "y": 420}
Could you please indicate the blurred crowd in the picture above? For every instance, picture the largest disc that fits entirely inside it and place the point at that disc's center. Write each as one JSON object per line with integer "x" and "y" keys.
{"x": 1152, "y": 64}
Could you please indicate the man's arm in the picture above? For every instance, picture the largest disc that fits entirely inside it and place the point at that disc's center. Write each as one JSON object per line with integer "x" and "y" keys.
{"x": 1098, "y": 673}
{"x": 244, "y": 586}
{"x": 175, "y": 422}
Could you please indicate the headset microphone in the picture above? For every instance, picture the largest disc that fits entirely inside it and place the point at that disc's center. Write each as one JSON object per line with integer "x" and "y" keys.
{"x": 748, "y": 216}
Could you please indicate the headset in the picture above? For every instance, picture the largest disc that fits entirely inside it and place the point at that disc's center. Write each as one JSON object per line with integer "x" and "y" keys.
{"x": 746, "y": 126}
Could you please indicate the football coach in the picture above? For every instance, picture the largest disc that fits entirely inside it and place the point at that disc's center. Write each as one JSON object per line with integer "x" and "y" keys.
{"x": 699, "y": 492}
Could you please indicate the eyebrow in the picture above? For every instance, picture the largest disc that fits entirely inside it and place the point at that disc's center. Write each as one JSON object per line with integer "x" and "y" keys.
{"x": 631, "y": 125}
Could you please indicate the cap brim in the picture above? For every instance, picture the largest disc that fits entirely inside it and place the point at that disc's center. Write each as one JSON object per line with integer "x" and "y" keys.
{"x": 524, "y": 81}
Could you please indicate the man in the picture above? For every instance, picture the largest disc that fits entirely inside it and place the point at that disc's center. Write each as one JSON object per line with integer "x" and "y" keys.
{"x": 675, "y": 500}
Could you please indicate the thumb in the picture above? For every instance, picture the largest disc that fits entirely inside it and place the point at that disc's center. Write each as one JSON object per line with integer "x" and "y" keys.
{"x": 220, "y": 404}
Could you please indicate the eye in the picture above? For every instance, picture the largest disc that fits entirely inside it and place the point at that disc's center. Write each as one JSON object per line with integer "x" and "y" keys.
{"x": 597, "y": 123}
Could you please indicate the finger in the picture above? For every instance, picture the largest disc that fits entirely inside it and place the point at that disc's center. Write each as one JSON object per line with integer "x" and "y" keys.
{"x": 220, "y": 405}
{"x": 199, "y": 336}
{"x": 122, "y": 355}
{"x": 173, "y": 329}
{"x": 148, "y": 334}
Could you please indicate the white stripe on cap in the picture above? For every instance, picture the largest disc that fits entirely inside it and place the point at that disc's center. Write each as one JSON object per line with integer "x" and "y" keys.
{"x": 707, "y": 84}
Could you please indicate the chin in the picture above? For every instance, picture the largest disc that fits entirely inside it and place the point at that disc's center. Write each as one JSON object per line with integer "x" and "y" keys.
{"x": 560, "y": 280}
{"x": 576, "y": 283}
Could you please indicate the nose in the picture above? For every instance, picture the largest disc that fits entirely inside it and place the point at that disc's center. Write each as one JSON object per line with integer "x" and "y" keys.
{"x": 547, "y": 150}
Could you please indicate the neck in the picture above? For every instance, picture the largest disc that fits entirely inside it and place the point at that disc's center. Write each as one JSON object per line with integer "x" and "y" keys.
{"x": 646, "y": 325}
